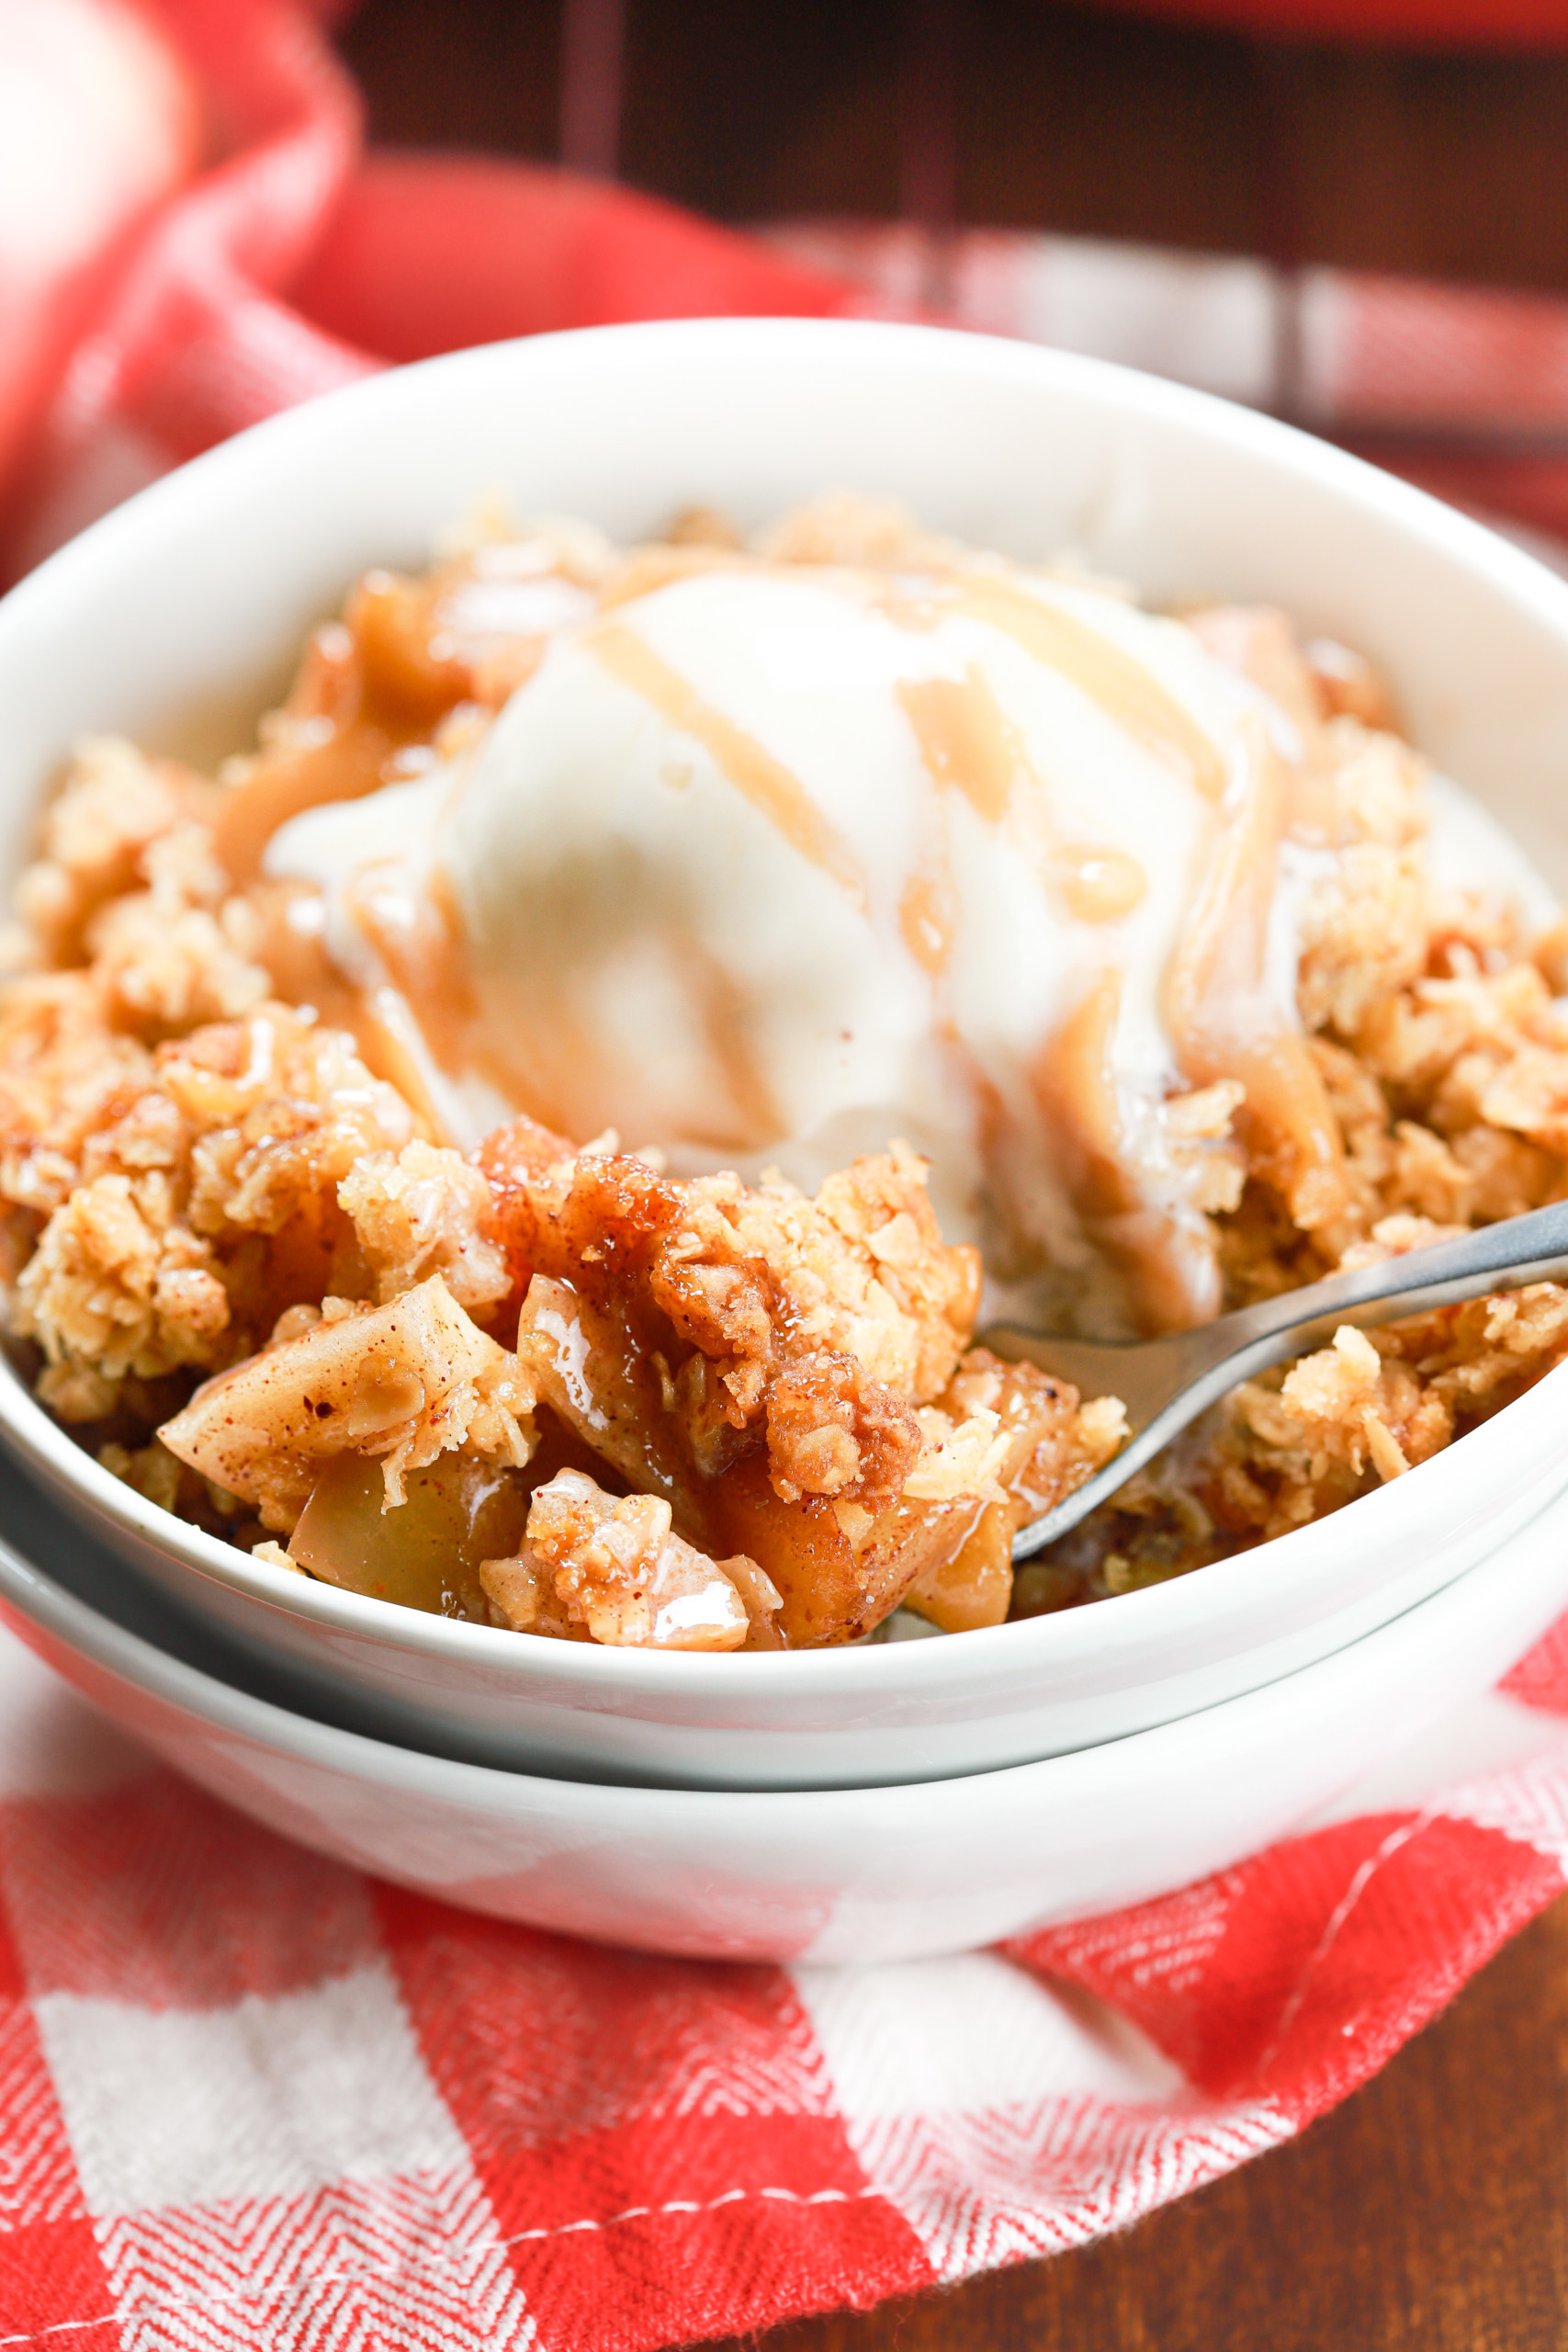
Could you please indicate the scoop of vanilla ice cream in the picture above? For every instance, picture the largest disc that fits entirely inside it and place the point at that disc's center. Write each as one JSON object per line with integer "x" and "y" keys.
{"x": 771, "y": 865}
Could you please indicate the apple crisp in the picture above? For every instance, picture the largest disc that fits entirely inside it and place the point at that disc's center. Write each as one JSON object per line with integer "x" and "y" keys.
{"x": 549, "y": 1385}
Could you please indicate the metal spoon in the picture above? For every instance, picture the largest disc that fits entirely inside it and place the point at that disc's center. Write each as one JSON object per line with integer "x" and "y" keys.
{"x": 1166, "y": 1383}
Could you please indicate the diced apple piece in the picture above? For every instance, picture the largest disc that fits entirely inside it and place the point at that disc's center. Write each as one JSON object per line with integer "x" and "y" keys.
{"x": 617, "y": 1568}
{"x": 404, "y": 1383}
{"x": 427, "y": 1553}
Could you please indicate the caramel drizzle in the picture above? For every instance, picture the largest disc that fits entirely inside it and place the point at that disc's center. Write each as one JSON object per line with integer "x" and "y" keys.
{"x": 1167, "y": 1262}
{"x": 766, "y": 783}
{"x": 1220, "y": 1023}
{"x": 284, "y": 783}
{"x": 664, "y": 563}
{"x": 1074, "y": 1086}
{"x": 419, "y": 940}
{"x": 428, "y": 996}
{"x": 418, "y": 933}
{"x": 967, "y": 739}
{"x": 968, "y": 743}
{"x": 926, "y": 920}
{"x": 1121, "y": 685}
{"x": 1221, "y": 1026}
{"x": 759, "y": 1119}
{"x": 1095, "y": 885}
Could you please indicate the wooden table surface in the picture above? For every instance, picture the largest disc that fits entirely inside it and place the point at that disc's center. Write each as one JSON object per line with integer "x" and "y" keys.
{"x": 1431, "y": 2210}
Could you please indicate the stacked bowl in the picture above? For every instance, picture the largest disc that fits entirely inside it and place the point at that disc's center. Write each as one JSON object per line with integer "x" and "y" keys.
{"x": 876, "y": 1801}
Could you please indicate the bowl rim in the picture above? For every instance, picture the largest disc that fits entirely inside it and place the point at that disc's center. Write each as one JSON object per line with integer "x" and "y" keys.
{"x": 191, "y": 499}
{"x": 1132, "y": 1761}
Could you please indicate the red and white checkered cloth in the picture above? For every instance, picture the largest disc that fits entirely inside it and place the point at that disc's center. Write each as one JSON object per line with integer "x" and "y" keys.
{"x": 250, "y": 2099}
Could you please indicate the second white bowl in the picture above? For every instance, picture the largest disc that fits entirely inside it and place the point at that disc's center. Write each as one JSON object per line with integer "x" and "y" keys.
{"x": 851, "y": 1874}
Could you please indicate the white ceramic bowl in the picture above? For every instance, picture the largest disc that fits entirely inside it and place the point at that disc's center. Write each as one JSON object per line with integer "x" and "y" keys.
{"x": 853, "y": 1874}
{"x": 174, "y": 618}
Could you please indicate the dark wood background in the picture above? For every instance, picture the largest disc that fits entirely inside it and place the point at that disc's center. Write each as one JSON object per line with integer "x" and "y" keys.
{"x": 1431, "y": 2210}
{"x": 1069, "y": 117}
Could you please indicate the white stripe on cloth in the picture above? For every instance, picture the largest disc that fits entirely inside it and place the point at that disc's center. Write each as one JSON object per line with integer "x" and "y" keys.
{"x": 1005, "y": 2119}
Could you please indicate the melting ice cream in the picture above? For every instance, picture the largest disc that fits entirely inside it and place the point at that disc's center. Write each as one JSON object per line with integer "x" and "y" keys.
{"x": 771, "y": 862}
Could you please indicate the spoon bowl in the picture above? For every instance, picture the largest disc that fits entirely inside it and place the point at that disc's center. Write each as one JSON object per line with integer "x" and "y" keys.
{"x": 1166, "y": 1383}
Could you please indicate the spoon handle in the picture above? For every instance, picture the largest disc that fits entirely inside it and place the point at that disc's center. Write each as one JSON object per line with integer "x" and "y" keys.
{"x": 1514, "y": 1251}
{"x": 1175, "y": 1379}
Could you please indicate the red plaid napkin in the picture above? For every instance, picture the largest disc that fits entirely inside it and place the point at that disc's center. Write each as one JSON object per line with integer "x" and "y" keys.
{"x": 250, "y": 2098}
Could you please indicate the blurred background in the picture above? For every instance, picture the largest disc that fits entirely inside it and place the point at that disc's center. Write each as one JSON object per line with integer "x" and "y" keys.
{"x": 1428, "y": 140}
{"x": 1351, "y": 212}
{"x": 1064, "y": 170}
